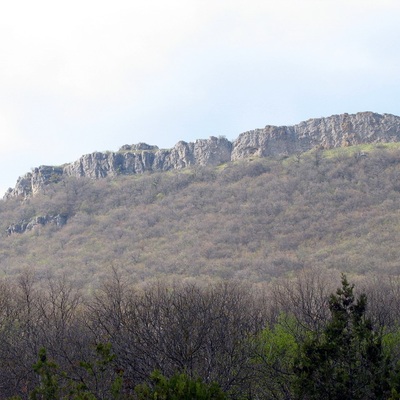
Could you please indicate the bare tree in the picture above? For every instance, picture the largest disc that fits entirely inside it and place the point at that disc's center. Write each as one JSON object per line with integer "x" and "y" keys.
{"x": 306, "y": 297}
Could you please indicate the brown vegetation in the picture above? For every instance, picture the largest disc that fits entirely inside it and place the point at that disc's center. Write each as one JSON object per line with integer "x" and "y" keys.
{"x": 254, "y": 220}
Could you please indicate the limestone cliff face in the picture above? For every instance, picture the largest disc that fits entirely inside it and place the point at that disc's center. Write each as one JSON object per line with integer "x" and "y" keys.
{"x": 334, "y": 131}
{"x": 34, "y": 181}
{"x": 137, "y": 159}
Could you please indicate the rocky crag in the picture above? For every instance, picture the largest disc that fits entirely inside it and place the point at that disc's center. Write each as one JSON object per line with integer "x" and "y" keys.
{"x": 324, "y": 133}
{"x": 34, "y": 223}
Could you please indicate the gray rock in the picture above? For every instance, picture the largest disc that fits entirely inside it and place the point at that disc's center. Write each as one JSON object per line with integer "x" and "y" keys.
{"x": 35, "y": 181}
{"x": 214, "y": 151}
{"x": 138, "y": 147}
{"x": 334, "y": 131}
{"x": 142, "y": 157}
{"x": 22, "y": 189}
{"x": 24, "y": 226}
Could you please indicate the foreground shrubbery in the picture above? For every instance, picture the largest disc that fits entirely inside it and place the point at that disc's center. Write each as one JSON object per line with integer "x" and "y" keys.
{"x": 296, "y": 339}
{"x": 179, "y": 387}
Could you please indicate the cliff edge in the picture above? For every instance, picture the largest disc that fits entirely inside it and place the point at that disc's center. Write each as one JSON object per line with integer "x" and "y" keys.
{"x": 335, "y": 131}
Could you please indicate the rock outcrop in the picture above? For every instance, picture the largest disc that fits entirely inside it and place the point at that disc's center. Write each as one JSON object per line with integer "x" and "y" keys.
{"x": 34, "y": 181}
{"x": 334, "y": 131}
{"x": 36, "y": 222}
{"x": 136, "y": 159}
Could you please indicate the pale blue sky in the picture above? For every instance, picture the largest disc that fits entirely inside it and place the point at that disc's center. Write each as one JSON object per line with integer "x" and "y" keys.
{"x": 80, "y": 76}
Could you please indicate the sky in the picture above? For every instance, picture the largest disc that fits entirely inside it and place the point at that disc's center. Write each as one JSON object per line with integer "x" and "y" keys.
{"x": 84, "y": 76}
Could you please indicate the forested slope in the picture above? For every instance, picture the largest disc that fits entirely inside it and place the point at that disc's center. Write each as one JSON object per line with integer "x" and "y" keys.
{"x": 253, "y": 219}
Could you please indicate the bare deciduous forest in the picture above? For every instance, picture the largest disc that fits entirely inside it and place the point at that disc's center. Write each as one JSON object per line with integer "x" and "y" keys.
{"x": 255, "y": 220}
{"x": 247, "y": 340}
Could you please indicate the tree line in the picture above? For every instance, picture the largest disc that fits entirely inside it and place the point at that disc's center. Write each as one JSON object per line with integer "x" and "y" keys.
{"x": 312, "y": 336}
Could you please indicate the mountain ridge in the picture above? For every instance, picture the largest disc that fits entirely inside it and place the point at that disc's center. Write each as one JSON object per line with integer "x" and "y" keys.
{"x": 323, "y": 133}
{"x": 254, "y": 219}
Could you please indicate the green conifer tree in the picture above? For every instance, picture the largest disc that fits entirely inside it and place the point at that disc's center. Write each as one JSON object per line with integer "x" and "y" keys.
{"x": 346, "y": 361}
{"x": 48, "y": 389}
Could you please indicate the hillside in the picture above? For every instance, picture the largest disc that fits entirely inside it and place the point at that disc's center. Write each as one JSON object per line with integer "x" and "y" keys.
{"x": 254, "y": 218}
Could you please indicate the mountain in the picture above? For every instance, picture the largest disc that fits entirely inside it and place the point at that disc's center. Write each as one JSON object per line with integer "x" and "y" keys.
{"x": 324, "y": 193}
{"x": 213, "y": 259}
{"x": 324, "y": 133}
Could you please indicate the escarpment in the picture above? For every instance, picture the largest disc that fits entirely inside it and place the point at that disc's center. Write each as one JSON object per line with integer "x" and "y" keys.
{"x": 327, "y": 133}
{"x": 330, "y": 132}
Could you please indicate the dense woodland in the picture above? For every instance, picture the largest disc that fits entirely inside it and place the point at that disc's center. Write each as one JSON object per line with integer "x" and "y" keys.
{"x": 256, "y": 220}
{"x": 211, "y": 283}
{"x": 238, "y": 340}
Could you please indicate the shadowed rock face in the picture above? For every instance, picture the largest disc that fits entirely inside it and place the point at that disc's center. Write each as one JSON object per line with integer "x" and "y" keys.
{"x": 36, "y": 222}
{"x": 334, "y": 131}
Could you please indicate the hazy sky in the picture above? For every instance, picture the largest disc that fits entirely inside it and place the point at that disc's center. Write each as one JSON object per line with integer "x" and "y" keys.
{"x": 81, "y": 76}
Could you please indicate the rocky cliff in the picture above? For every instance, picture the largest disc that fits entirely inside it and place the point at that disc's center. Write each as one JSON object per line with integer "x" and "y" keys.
{"x": 327, "y": 133}
{"x": 334, "y": 131}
